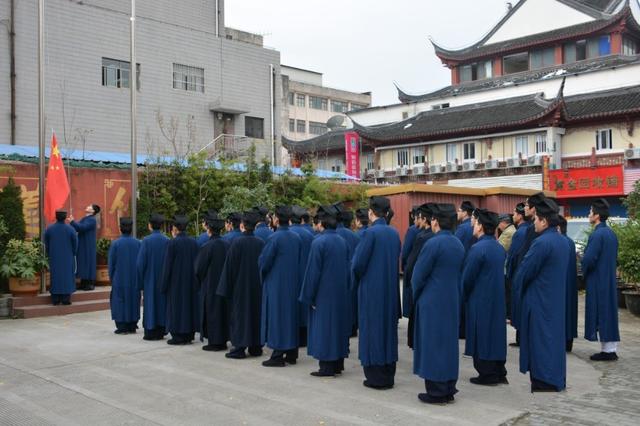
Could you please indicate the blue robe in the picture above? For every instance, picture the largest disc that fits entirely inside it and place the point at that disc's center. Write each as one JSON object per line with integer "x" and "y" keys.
{"x": 240, "y": 285}
{"x": 483, "y": 284}
{"x": 309, "y": 228}
{"x": 514, "y": 258}
{"x": 279, "y": 271}
{"x": 149, "y": 267}
{"x": 599, "y": 270}
{"x": 571, "y": 320}
{"x": 202, "y": 239}
{"x": 61, "y": 245}
{"x": 464, "y": 232}
{"x": 125, "y": 293}
{"x": 375, "y": 274}
{"x": 213, "y": 308}
{"x": 230, "y": 236}
{"x": 86, "y": 228}
{"x": 326, "y": 289}
{"x": 542, "y": 277}
{"x": 352, "y": 240}
{"x": 306, "y": 238}
{"x": 409, "y": 238}
{"x": 407, "y": 292}
{"x": 437, "y": 308}
{"x": 180, "y": 286}
{"x": 361, "y": 231}
{"x": 263, "y": 232}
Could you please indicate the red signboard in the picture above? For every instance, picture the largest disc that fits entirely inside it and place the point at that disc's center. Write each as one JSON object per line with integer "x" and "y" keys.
{"x": 587, "y": 182}
{"x": 352, "y": 154}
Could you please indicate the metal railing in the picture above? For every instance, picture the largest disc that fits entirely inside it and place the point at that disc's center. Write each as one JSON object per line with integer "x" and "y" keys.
{"x": 227, "y": 147}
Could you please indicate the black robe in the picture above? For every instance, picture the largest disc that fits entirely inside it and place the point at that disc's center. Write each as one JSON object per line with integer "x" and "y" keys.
{"x": 240, "y": 285}
{"x": 179, "y": 284}
{"x": 215, "y": 313}
{"x": 407, "y": 303}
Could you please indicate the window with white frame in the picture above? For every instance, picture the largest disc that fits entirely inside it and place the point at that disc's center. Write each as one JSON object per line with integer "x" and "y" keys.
{"x": 469, "y": 151}
{"x": 190, "y": 79}
{"x": 339, "y": 106}
{"x": 604, "y": 139}
{"x": 301, "y": 100}
{"x": 316, "y": 128}
{"x": 301, "y": 126}
{"x": 402, "y": 157}
{"x": 370, "y": 161}
{"x": 522, "y": 146}
{"x": 292, "y": 125}
{"x": 541, "y": 143}
{"x": 417, "y": 155}
{"x": 317, "y": 102}
{"x": 629, "y": 46}
{"x": 452, "y": 152}
{"x": 116, "y": 73}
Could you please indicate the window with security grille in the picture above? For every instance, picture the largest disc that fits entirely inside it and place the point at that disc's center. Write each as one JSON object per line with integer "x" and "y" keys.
{"x": 190, "y": 79}
{"x": 403, "y": 157}
{"x": 301, "y": 126}
{"x": 300, "y": 100}
{"x": 338, "y": 106}
{"x": 541, "y": 143}
{"x": 116, "y": 73}
{"x": 317, "y": 102}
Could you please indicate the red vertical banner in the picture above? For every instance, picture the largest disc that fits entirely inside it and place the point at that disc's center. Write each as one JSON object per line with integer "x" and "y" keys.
{"x": 352, "y": 154}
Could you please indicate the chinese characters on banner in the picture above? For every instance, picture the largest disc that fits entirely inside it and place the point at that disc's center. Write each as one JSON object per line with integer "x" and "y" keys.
{"x": 352, "y": 154}
{"x": 587, "y": 182}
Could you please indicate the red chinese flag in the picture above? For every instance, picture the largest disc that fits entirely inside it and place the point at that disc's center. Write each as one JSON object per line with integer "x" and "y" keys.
{"x": 57, "y": 188}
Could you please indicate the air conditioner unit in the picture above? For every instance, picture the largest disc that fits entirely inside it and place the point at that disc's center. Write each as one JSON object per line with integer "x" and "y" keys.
{"x": 491, "y": 164}
{"x": 401, "y": 171}
{"x": 418, "y": 170}
{"x": 379, "y": 174}
{"x": 452, "y": 167}
{"x": 514, "y": 162}
{"x": 435, "y": 168}
{"x": 469, "y": 166}
{"x": 632, "y": 153}
{"x": 534, "y": 160}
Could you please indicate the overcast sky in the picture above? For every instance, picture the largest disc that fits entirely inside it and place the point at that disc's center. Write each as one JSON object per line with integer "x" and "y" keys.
{"x": 367, "y": 45}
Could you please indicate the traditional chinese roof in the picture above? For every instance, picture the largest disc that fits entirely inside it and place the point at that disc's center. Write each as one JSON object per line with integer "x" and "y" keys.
{"x": 482, "y": 50}
{"x": 506, "y": 115}
{"x": 330, "y": 141}
{"x": 554, "y": 72}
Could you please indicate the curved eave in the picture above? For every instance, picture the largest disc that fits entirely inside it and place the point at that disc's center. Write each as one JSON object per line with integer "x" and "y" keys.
{"x": 453, "y": 57}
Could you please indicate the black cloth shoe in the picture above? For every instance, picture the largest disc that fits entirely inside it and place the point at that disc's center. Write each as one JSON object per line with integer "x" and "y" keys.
{"x": 321, "y": 374}
{"x": 255, "y": 351}
{"x": 274, "y": 362}
{"x": 604, "y": 356}
{"x": 235, "y": 354}
{"x": 539, "y": 386}
{"x": 377, "y": 387}
{"x": 118, "y": 331}
{"x": 514, "y": 344}
{"x": 484, "y": 382}
{"x": 174, "y": 341}
{"x": 215, "y": 348}
{"x": 428, "y": 399}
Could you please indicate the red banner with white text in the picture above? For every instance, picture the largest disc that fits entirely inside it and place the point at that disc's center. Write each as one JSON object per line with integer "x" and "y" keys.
{"x": 587, "y": 182}
{"x": 352, "y": 154}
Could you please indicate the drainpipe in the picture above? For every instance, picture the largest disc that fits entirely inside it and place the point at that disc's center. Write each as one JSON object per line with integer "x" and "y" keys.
{"x": 12, "y": 69}
{"x": 271, "y": 110}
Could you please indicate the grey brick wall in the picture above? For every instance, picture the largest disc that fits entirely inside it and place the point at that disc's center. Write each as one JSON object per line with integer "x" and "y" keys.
{"x": 79, "y": 35}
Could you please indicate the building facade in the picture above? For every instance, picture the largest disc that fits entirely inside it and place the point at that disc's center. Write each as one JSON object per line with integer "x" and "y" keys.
{"x": 198, "y": 82}
{"x": 530, "y": 105}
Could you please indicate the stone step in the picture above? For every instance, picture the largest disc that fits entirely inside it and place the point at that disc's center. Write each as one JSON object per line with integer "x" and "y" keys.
{"x": 100, "y": 293}
{"x": 36, "y": 311}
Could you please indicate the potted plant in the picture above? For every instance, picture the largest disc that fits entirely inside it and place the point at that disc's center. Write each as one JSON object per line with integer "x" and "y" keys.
{"x": 102, "y": 269}
{"x": 629, "y": 262}
{"x": 21, "y": 264}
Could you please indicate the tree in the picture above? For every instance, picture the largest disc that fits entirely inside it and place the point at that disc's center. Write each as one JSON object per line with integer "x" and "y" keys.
{"x": 11, "y": 212}
{"x": 632, "y": 202}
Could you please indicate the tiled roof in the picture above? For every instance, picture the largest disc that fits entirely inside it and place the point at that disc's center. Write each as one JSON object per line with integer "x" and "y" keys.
{"x": 480, "y": 49}
{"x": 329, "y": 141}
{"x": 505, "y": 115}
{"x": 555, "y": 72}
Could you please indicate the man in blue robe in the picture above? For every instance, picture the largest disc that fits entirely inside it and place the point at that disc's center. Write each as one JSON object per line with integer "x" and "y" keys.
{"x": 149, "y": 268}
{"x": 209, "y": 265}
{"x": 529, "y": 236}
{"x": 326, "y": 290}
{"x": 61, "y": 245}
{"x": 362, "y": 221}
{"x": 203, "y": 238}
{"x": 599, "y": 269}
{"x": 263, "y": 230}
{"x": 522, "y": 223}
{"x": 307, "y": 223}
{"x": 240, "y": 286}
{"x": 409, "y": 237}
{"x": 306, "y": 237}
{"x": 424, "y": 215}
{"x": 435, "y": 282}
{"x": 179, "y": 284}
{"x": 233, "y": 227}
{"x": 343, "y": 228}
{"x": 571, "y": 319}
{"x": 464, "y": 231}
{"x": 279, "y": 270}
{"x": 374, "y": 269}
{"x": 86, "y": 258}
{"x": 483, "y": 285}
{"x": 541, "y": 278}
{"x": 125, "y": 293}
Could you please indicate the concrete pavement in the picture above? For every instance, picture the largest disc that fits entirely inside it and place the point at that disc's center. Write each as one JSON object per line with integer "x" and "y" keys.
{"x": 74, "y": 370}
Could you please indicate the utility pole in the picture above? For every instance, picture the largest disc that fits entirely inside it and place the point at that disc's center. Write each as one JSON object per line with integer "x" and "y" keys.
{"x": 41, "y": 129}
{"x": 133, "y": 86}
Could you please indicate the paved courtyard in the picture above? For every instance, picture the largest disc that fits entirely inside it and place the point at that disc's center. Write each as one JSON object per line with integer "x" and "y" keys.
{"x": 74, "y": 371}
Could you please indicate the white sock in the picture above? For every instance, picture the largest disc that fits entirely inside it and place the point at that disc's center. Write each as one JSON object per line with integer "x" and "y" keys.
{"x": 609, "y": 347}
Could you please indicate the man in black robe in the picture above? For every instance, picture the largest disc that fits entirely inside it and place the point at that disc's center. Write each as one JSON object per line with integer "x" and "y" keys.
{"x": 179, "y": 284}
{"x": 209, "y": 264}
{"x": 240, "y": 285}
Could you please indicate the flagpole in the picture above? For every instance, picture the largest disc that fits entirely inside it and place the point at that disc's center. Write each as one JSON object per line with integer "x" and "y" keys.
{"x": 41, "y": 130}
{"x": 133, "y": 83}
